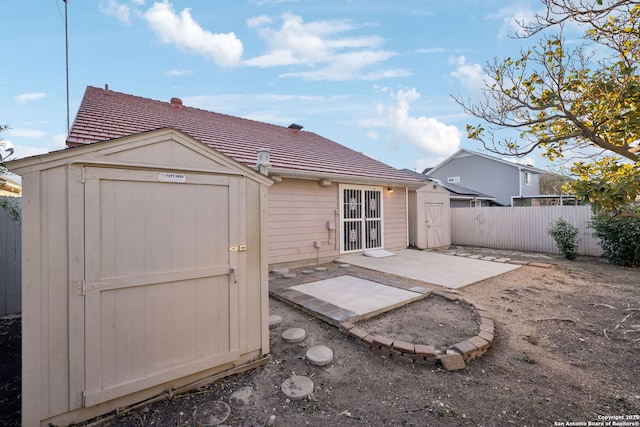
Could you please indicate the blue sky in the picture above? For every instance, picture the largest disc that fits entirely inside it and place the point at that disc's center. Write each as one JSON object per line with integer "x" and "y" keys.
{"x": 376, "y": 76}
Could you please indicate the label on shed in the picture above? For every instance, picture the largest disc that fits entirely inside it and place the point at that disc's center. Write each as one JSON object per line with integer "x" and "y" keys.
{"x": 172, "y": 177}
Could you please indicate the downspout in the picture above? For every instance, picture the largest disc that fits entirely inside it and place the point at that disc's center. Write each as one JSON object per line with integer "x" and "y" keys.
{"x": 406, "y": 210}
{"x": 519, "y": 184}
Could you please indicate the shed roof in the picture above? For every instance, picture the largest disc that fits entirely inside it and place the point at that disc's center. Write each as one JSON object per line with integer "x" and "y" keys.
{"x": 105, "y": 114}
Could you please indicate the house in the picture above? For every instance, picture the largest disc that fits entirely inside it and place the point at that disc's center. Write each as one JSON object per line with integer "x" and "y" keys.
{"x": 327, "y": 199}
{"x": 511, "y": 184}
{"x": 459, "y": 196}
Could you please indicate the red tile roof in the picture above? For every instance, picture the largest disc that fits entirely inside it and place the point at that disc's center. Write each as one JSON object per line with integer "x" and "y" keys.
{"x": 104, "y": 115}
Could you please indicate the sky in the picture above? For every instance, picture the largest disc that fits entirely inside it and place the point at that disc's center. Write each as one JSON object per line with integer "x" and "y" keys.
{"x": 374, "y": 75}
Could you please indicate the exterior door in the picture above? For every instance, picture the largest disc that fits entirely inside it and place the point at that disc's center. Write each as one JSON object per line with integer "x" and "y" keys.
{"x": 434, "y": 224}
{"x": 361, "y": 218}
{"x": 161, "y": 293}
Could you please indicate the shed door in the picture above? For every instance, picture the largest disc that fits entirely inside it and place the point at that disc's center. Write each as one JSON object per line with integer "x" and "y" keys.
{"x": 160, "y": 300}
{"x": 361, "y": 218}
{"x": 434, "y": 225}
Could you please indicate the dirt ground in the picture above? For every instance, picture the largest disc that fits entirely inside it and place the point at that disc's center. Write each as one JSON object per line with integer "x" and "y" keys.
{"x": 567, "y": 349}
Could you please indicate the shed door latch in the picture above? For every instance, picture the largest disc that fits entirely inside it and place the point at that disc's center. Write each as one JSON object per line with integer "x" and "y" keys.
{"x": 234, "y": 271}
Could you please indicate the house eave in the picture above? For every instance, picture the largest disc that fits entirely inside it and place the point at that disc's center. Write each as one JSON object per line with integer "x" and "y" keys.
{"x": 343, "y": 178}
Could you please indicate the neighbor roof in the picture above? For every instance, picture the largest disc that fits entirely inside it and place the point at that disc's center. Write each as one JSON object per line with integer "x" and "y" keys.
{"x": 453, "y": 188}
{"x": 463, "y": 152}
{"x": 105, "y": 114}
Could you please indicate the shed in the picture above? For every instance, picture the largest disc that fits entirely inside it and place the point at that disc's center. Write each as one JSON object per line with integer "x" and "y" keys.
{"x": 144, "y": 271}
{"x": 429, "y": 217}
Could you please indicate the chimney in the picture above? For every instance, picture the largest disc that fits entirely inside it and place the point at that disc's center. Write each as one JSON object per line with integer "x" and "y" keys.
{"x": 264, "y": 163}
{"x": 176, "y": 103}
{"x": 106, "y": 88}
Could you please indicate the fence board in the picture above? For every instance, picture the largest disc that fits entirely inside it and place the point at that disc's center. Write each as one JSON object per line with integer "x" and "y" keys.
{"x": 10, "y": 263}
{"x": 520, "y": 228}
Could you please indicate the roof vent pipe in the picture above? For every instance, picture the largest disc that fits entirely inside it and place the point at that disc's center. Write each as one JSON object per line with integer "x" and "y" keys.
{"x": 295, "y": 126}
{"x": 176, "y": 103}
{"x": 264, "y": 162}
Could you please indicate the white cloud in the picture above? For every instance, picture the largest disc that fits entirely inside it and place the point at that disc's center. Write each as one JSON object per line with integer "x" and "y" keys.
{"x": 258, "y": 21}
{"x": 26, "y": 97}
{"x": 431, "y": 50}
{"x": 182, "y": 31}
{"x": 26, "y": 133}
{"x": 512, "y": 16}
{"x": 426, "y": 133}
{"x": 372, "y": 134}
{"x": 263, "y": 2}
{"x": 178, "y": 72}
{"x": 113, "y": 8}
{"x": 470, "y": 75}
{"x": 322, "y": 47}
{"x": 525, "y": 161}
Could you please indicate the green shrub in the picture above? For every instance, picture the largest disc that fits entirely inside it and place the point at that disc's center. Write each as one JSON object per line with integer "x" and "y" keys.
{"x": 566, "y": 237}
{"x": 619, "y": 238}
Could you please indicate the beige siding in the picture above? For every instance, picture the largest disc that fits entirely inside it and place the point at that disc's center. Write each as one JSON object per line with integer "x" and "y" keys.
{"x": 395, "y": 218}
{"x": 45, "y": 291}
{"x": 520, "y": 228}
{"x": 299, "y": 211}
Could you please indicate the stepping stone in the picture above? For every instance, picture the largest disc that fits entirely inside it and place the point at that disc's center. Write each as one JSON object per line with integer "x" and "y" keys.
{"x": 242, "y": 396}
{"x": 321, "y": 268}
{"x": 211, "y": 413}
{"x": 294, "y": 335}
{"x": 297, "y": 387}
{"x": 289, "y": 275}
{"x": 308, "y": 271}
{"x": 280, "y": 271}
{"x": 452, "y": 362}
{"x": 475, "y": 256}
{"x": 345, "y": 265}
{"x": 274, "y": 321}
{"x": 488, "y": 258}
{"x": 320, "y": 355}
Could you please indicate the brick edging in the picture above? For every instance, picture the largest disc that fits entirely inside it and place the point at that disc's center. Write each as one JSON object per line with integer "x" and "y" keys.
{"x": 468, "y": 349}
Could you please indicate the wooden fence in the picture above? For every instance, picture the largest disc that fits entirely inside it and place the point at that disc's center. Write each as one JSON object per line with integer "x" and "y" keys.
{"x": 520, "y": 228}
{"x": 10, "y": 261}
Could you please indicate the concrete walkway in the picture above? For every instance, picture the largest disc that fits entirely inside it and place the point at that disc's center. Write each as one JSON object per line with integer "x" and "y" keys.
{"x": 444, "y": 270}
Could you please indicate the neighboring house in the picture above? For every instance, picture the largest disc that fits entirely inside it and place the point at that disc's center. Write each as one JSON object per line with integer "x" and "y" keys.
{"x": 459, "y": 196}
{"x": 511, "y": 184}
{"x": 327, "y": 199}
{"x": 9, "y": 187}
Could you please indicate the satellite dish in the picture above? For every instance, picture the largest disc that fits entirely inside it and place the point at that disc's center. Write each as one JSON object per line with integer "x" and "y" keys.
{"x": 5, "y": 146}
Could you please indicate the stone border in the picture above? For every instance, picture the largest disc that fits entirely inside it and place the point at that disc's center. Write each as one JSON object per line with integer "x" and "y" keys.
{"x": 469, "y": 349}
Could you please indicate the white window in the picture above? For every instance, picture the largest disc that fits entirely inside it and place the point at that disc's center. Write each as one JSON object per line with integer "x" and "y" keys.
{"x": 453, "y": 179}
{"x": 527, "y": 178}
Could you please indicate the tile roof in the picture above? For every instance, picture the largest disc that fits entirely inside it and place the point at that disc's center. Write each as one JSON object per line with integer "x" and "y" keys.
{"x": 105, "y": 114}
